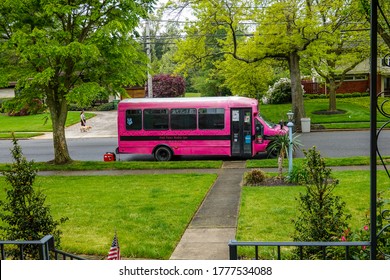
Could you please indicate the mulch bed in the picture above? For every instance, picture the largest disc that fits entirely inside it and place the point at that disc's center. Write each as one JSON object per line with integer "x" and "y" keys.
{"x": 272, "y": 182}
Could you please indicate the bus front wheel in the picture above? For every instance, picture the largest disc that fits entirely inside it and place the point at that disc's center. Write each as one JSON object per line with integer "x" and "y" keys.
{"x": 163, "y": 153}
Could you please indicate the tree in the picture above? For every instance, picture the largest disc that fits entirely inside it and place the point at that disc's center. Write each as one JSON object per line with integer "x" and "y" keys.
{"x": 342, "y": 48}
{"x": 71, "y": 51}
{"x": 24, "y": 214}
{"x": 165, "y": 85}
{"x": 383, "y": 21}
{"x": 279, "y": 146}
{"x": 321, "y": 215}
{"x": 283, "y": 30}
{"x": 245, "y": 79}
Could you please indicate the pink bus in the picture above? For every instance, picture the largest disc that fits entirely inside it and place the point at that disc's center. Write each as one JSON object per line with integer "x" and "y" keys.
{"x": 166, "y": 127}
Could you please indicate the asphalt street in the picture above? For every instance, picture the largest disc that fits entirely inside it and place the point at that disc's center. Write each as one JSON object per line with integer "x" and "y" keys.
{"x": 102, "y": 138}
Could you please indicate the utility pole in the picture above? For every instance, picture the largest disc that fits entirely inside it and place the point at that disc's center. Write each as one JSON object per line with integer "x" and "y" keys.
{"x": 149, "y": 54}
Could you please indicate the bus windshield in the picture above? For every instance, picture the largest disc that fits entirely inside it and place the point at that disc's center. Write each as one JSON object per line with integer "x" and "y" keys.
{"x": 269, "y": 123}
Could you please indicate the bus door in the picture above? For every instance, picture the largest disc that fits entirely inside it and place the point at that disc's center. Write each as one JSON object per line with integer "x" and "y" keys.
{"x": 241, "y": 132}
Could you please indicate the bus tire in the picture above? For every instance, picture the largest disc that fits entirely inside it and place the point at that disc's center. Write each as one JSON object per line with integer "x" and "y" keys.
{"x": 163, "y": 153}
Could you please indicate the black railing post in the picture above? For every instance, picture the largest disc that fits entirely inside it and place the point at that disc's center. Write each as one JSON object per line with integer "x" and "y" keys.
{"x": 373, "y": 121}
{"x": 233, "y": 251}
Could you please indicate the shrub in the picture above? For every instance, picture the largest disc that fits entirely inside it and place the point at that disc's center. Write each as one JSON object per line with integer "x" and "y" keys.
{"x": 21, "y": 107}
{"x": 297, "y": 176}
{"x": 254, "y": 177}
{"x": 321, "y": 214}
{"x": 106, "y": 107}
{"x": 280, "y": 92}
{"x": 168, "y": 86}
{"x": 24, "y": 214}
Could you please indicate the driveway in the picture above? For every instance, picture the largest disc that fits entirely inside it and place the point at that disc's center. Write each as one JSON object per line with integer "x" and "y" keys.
{"x": 104, "y": 124}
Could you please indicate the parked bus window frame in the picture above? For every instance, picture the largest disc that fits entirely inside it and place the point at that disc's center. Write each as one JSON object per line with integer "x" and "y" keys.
{"x": 156, "y": 119}
{"x": 134, "y": 119}
{"x": 207, "y": 118}
{"x": 183, "y": 119}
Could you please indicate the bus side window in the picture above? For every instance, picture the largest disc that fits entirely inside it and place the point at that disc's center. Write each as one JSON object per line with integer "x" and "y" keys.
{"x": 156, "y": 119}
{"x": 211, "y": 118}
{"x": 183, "y": 119}
{"x": 133, "y": 119}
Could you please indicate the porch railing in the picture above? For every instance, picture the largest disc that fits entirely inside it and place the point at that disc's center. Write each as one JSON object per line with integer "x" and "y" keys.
{"x": 45, "y": 247}
{"x": 233, "y": 247}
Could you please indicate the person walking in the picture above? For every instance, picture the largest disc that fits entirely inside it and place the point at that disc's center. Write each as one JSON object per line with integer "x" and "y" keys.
{"x": 83, "y": 120}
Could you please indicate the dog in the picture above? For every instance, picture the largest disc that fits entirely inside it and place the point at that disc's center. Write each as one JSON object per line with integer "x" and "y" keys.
{"x": 85, "y": 128}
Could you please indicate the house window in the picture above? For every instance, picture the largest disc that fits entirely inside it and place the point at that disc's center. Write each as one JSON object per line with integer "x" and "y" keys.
{"x": 357, "y": 77}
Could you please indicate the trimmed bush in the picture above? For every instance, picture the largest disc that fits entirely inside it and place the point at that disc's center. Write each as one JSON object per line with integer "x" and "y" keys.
{"x": 254, "y": 177}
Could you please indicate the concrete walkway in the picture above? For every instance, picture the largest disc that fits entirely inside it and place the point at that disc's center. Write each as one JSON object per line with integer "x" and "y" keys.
{"x": 215, "y": 222}
{"x": 104, "y": 124}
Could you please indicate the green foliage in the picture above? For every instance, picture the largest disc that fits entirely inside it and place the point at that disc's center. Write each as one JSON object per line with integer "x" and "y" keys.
{"x": 18, "y": 107}
{"x": 68, "y": 52}
{"x": 363, "y": 232}
{"x": 254, "y": 177}
{"x": 84, "y": 94}
{"x": 106, "y": 107}
{"x": 279, "y": 146}
{"x": 298, "y": 175}
{"x": 24, "y": 213}
{"x": 245, "y": 79}
{"x": 321, "y": 214}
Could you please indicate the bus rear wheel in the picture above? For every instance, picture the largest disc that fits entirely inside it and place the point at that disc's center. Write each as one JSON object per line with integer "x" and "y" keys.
{"x": 163, "y": 153}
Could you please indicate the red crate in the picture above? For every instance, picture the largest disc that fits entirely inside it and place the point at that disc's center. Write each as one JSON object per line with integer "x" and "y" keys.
{"x": 109, "y": 157}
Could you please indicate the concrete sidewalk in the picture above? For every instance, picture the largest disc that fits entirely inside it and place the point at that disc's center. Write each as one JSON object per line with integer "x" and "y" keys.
{"x": 215, "y": 222}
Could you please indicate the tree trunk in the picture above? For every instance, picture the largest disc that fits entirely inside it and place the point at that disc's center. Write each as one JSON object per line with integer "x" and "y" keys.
{"x": 332, "y": 96}
{"x": 58, "y": 111}
{"x": 296, "y": 89}
{"x": 280, "y": 166}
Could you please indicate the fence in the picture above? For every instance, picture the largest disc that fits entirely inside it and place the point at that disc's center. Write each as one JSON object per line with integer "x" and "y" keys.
{"x": 233, "y": 247}
{"x": 45, "y": 247}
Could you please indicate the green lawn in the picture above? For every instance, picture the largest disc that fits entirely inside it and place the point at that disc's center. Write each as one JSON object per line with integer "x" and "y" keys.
{"x": 34, "y": 123}
{"x": 149, "y": 212}
{"x": 347, "y": 161}
{"x": 123, "y": 165}
{"x": 266, "y": 213}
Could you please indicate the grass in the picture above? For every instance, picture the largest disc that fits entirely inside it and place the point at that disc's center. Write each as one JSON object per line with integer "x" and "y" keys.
{"x": 123, "y": 165}
{"x": 149, "y": 212}
{"x": 19, "y": 135}
{"x": 34, "y": 123}
{"x": 266, "y": 213}
{"x": 348, "y": 161}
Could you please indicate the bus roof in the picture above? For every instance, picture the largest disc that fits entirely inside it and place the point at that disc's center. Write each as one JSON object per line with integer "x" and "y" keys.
{"x": 231, "y": 100}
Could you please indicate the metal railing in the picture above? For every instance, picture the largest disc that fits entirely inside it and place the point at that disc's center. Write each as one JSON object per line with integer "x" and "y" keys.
{"x": 233, "y": 247}
{"x": 45, "y": 247}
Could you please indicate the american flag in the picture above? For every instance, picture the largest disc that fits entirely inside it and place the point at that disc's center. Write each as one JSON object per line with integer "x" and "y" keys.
{"x": 114, "y": 253}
